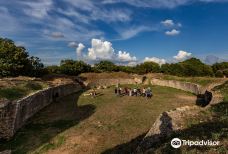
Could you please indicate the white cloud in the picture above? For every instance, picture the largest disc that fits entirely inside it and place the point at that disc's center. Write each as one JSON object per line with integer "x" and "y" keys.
{"x": 103, "y": 50}
{"x": 133, "y": 31}
{"x": 182, "y": 55}
{"x": 72, "y": 44}
{"x": 38, "y": 9}
{"x": 20, "y": 43}
{"x": 97, "y": 12}
{"x": 158, "y": 3}
{"x": 125, "y": 56}
{"x": 57, "y": 35}
{"x": 79, "y": 50}
{"x": 173, "y": 32}
{"x": 168, "y": 23}
{"x": 155, "y": 59}
{"x": 9, "y": 23}
{"x": 100, "y": 50}
{"x": 132, "y": 63}
{"x": 151, "y": 3}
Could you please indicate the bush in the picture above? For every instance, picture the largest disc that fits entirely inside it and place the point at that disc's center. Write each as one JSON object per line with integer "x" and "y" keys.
{"x": 147, "y": 67}
{"x": 219, "y": 74}
{"x": 54, "y": 69}
{"x": 225, "y": 72}
{"x": 220, "y": 66}
{"x": 71, "y": 67}
{"x": 105, "y": 66}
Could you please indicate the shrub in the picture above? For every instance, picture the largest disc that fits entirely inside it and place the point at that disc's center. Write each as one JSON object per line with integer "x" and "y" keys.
{"x": 225, "y": 72}
{"x": 71, "y": 67}
{"x": 105, "y": 66}
{"x": 147, "y": 67}
{"x": 219, "y": 74}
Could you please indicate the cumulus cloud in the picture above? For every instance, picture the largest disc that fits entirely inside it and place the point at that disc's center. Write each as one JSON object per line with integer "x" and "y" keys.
{"x": 103, "y": 50}
{"x": 125, "y": 56}
{"x": 155, "y": 59}
{"x": 182, "y": 55}
{"x": 173, "y": 32}
{"x": 100, "y": 50}
{"x": 167, "y": 23}
{"x": 79, "y": 50}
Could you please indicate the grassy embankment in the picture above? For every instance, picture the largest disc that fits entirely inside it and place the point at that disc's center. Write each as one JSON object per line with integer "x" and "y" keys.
{"x": 13, "y": 92}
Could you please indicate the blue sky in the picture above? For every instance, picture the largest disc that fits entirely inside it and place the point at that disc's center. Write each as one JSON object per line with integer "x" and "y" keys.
{"x": 126, "y": 31}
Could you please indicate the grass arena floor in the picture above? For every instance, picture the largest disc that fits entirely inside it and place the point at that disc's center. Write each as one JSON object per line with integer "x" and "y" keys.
{"x": 104, "y": 124}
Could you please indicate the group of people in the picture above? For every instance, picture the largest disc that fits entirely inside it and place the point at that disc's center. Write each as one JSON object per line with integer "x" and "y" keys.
{"x": 145, "y": 92}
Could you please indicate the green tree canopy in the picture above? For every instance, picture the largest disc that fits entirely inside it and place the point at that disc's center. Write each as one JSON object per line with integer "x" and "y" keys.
{"x": 105, "y": 66}
{"x": 220, "y": 66}
{"x": 148, "y": 67}
{"x": 71, "y": 67}
{"x": 14, "y": 60}
{"x": 190, "y": 67}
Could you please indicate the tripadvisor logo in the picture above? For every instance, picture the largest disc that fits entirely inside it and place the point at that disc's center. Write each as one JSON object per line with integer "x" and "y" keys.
{"x": 176, "y": 143}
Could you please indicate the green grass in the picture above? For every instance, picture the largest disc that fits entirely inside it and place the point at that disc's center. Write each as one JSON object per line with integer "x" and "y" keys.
{"x": 203, "y": 81}
{"x": 224, "y": 90}
{"x": 21, "y": 90}
{"x": 82, "y": 124}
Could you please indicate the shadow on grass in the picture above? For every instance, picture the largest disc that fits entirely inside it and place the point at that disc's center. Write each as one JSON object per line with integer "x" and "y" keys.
{"x": 47, "y": 124}
{"x": 216, "y": 130}
{"x": 127, "y": 148}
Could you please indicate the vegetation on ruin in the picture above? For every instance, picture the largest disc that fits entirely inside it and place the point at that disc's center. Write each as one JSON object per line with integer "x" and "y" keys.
{"x": 22, "y": 89}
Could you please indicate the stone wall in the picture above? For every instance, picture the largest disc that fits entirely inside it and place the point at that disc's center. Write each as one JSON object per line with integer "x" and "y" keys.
{"x": 186, "y": 86}
{"x": 6, "y": 118}
{"x": 13, "y": 115}
{"x": 167, "y": 123}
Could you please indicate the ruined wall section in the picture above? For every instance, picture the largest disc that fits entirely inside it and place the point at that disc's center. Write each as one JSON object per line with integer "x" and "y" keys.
{"x": 13, "y": 115}
{"x": 186, "y": 86}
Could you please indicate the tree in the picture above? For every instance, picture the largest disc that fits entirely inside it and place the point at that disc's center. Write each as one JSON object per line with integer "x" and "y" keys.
{"x": 147, "y": 67}
{"x": 220, "y": 66}
{"x": 190, "y": 67}
{"x": 127, "y": 69}
{"x": 37, "y": 67}
{"x": 15, "y": 60}
{"x": 225, "y": 72}
{"x": 71, "y": 67}
{"x": 219, "y": 74}
{"x": 105, "y": 66}
{"x": 54, "y": 69}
